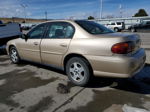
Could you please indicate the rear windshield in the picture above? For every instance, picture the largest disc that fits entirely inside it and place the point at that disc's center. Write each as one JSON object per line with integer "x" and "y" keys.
{"x": 93, "y": 28}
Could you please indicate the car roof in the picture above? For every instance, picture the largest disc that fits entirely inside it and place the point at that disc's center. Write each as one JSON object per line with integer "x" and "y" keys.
{"x": 58, "y": 21}
{"x": 63, "y": 20}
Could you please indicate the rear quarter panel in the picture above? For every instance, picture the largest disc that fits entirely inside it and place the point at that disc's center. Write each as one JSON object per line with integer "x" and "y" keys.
{"x": 100, "y": 46}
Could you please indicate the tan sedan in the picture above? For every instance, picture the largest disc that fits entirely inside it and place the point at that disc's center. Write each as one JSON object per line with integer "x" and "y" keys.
{"x": 82, "y": 48}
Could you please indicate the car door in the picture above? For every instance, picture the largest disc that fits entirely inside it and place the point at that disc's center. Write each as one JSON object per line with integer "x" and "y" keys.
{"x": 29, "y": 48}
{"x": 56, "y": 42}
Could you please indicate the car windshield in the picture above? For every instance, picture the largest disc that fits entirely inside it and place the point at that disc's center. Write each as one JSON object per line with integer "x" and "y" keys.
{"x": 93, "y": 28}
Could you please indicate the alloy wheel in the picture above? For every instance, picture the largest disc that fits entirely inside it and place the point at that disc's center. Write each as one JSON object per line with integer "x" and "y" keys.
{"x": 77, "y": 72}
{"x": 14, "y": 55}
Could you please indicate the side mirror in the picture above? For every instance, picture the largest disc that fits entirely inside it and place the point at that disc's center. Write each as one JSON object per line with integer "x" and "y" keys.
{"x": 24, "y": 36}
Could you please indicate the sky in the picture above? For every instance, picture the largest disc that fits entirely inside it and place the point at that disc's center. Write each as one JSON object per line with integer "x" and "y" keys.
{"x": 66, "y": 9}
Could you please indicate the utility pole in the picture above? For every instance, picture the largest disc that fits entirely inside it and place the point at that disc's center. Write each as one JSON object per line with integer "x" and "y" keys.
{"x": 24, "y": 7}
{"x": 101, "y": 8}
{"x": 121, "y": 12}
{"x": 46, "y": 15}
{"x": 121, "y": 9}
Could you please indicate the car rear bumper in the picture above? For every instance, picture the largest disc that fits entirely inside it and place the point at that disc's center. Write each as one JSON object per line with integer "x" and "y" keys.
{"x": 117, "y": 66}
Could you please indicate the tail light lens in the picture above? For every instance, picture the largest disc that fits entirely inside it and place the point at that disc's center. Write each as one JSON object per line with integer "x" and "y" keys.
{"x": 123, "y": 48}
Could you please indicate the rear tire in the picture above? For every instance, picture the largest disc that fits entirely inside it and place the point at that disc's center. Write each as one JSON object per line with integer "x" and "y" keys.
{"x": 14, "y": 56}
{"x": 78, "y": 71}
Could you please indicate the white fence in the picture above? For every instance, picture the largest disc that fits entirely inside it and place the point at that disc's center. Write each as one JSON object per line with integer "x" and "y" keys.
{"x": 128, "y": 21}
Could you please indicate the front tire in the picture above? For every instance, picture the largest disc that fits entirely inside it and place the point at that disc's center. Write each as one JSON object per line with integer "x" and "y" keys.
{"x": 116, "y": 29}
{"x": 14, "y": 56}
{"x": 133, "y": 30}
{"x": 78, "y": 71}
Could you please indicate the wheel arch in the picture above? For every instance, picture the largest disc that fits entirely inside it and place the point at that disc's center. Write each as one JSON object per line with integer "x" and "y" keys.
{"x": 8, "y": 48}
{"x": 69, "y": 56}
{"x": 116, "y": 28}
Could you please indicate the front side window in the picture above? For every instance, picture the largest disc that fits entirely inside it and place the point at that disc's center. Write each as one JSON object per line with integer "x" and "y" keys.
{"x": 60, "y": 30}
{"x": 37, "y": 32}
{"x": 93, "y": 28}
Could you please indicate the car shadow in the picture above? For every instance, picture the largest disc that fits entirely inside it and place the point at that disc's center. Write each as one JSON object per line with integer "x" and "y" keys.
{"x": 38, "y": 65}
{"x": 133, "y": 85}
{"x": 140, "y": 83}
{"x": 99, "y": 82}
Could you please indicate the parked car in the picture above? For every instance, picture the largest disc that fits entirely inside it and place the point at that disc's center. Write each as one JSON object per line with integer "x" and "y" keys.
{"x": 8, "y": 32}
{"x": 142, "y": 27}
{"x": 81, "y": 48}
{"x": 116, "y": 26}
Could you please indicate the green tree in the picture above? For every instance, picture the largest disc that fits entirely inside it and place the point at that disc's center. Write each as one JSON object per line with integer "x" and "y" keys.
{"x": 141, "y": 13}
{"x": 91, "y": 18}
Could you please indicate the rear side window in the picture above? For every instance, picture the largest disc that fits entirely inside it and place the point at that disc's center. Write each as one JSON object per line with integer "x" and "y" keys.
{"x": 118, "y": 23}
{"x": 93, "y": 28}
{"x": 60, "y": 30}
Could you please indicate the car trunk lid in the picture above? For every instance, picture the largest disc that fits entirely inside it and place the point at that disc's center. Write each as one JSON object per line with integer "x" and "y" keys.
{"x": 123, "y": 37}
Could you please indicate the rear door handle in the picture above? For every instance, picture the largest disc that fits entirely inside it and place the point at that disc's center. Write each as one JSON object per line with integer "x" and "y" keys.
{"x": 63, "y": 45}
{"x": 36, "y": 43}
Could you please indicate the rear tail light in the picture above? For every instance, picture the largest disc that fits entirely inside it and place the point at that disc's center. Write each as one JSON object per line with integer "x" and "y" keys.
{"x": 123, "y": 48}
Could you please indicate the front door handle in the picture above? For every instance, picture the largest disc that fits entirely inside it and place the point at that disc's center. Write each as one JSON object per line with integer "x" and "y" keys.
{"x": 36, "y": 43}
{"x": 63, "y": 45}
